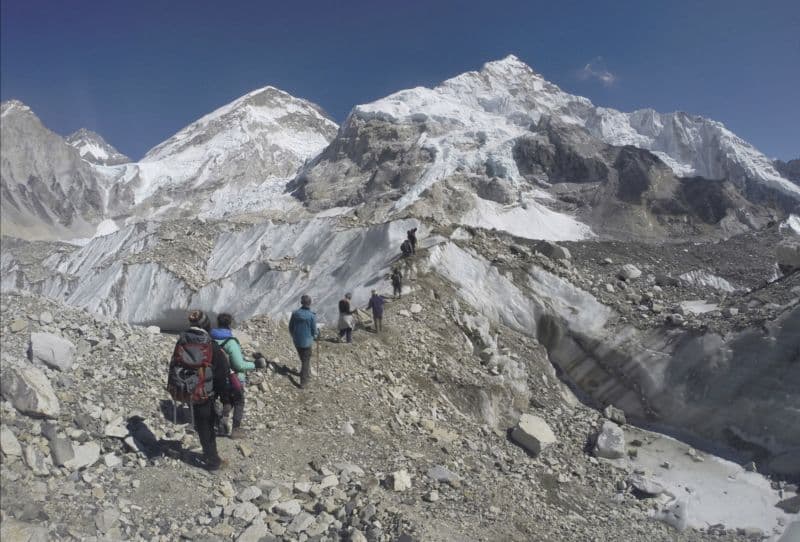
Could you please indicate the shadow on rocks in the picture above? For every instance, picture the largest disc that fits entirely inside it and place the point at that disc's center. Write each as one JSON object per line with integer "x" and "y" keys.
{"x": 283, "y": 370}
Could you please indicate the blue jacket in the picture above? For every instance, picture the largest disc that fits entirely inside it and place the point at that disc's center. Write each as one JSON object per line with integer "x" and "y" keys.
{"x": 303, "y": 327}
{"x": 238, "y": 363}
{"x": 376, "y": 304}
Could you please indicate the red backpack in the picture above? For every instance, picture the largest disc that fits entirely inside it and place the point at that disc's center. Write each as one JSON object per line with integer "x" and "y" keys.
{"x": 191, "y": 374}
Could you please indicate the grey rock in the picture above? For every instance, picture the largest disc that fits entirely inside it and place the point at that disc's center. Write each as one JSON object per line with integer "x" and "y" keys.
{"x": 533, "y": 434}
{"x": 61, "y": 450}
{"x": 615, "y": 414}
{"x": 415, "y": 308}
{"x": 288, "y": 508}
{"x": 399, "y": 480}
{"x": 8, "y": 442}
{"x": 35, "y": 461}
{"x": 254, "y": 533}
{"x": 300, "y": 523}
{"x": 610, "y": 441}
{"x": 552, "y": 250}
{"x": 629, "y": 272}
{"x": 107, "y": 519}
{"x": 645, "y": 486}
{"x": 442, "y": 474}
{"x": 20, "y": 324}
{"x": 86, "y": 455}
{"x": 246, "y": 511}
{"x": 12, "y": 530}
{"x": 249, "y": 493}
{"x": 30, "y": 392}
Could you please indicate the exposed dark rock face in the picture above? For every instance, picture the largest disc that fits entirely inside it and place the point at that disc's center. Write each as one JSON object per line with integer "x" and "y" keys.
{"x": 790, "y": 169}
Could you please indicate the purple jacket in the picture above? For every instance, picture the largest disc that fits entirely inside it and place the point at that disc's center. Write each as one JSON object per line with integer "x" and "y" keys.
{"x": 376, "y": 304}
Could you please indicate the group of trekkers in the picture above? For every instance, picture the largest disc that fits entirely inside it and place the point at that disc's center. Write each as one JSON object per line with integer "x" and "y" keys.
{"x": 207, "y": 363}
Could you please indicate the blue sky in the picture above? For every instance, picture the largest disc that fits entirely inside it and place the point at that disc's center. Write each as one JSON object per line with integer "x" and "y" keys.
{"x": 137, "y": 72}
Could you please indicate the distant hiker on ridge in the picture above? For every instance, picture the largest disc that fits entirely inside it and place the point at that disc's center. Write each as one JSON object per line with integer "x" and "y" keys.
{"x": 412, "y": 239}
{"x": 303, "y": 328}
{"x": 406, "y": 249}
{"x": 376, "y": 303}
{"x": 397, "y": 282}
{"x": 198, "y": 374}
{"x": 346, "y": 321}
{"x": 239, "y": 366}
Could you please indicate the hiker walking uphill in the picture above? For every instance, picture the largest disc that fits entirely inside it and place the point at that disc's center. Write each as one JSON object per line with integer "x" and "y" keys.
{"x": 223, "y": 335}
{"x": 198, "y": 374}
{"x": 376, "y": 303}
{"x": 346, "y": 320}
{"x": 412, "y": 239}
{"x": 303, "y": 328}
{"x": 397, "y": 282}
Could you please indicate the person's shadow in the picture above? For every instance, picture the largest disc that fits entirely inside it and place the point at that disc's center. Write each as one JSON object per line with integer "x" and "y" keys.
{"x": 283, "y": 370}
{"x": 178, "y": 414}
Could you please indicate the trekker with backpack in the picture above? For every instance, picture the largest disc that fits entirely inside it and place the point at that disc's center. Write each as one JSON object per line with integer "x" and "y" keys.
{"x": 239, "y": 366}
{"x": 198, "y": 374}
{"x": 406, "y": 249}
{"x": 397, "y": 282}
{"x": 303, "y": 328}
{"x": 376, "y": 303}
{"x": 346, "y": 321}
{"x": 412, "y": 239}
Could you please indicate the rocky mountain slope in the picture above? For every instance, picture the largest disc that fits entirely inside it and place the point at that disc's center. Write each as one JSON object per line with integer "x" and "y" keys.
{"x": 401, "y": 437}
{"x": 487, "y": 146}
{"x": 671, "y": 303}
{"x": 236, "y": 159}
{"x": 94, "y": 149}
{"x": 790, "y": 170}
{"x": 48, "y": 191}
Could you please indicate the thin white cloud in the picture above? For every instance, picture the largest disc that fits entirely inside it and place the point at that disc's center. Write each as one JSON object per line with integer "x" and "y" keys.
{"x": 596, "y": 69}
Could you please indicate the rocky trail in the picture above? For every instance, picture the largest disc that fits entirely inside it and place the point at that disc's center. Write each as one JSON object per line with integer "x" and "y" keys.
{"x": 400, "y": 437}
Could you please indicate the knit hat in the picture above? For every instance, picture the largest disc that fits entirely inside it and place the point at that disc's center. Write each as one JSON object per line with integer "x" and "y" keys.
{"x": 199, "y": 319}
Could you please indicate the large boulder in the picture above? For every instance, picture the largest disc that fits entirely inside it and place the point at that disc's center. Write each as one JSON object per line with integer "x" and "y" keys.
{"x": 552, "y": 250}
{"x": 629, "y": 272}
{"x": 533, "y": 434}
{"x": 30, "y": 392}
{"x": 610, "y": 441}
{"x": 52, "y": 350}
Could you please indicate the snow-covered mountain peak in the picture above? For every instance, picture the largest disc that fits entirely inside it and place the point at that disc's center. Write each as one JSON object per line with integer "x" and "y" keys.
{"x": 258, "y": 114}
{"x": 506, "y": 98}
{"x": 239, "y": 157}
{"x": 9, "y": 107}
{"x": 94, "y": 149}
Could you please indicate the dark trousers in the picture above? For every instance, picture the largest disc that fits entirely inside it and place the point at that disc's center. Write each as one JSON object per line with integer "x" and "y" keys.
{"x": 346, "y": 332}
{"x": 305, "y": 364}
{"x": 378, "y": 322}
{"x": 237, "y": 398}
{"x": 205, "y": 419}
{"x": 398, "y": 289}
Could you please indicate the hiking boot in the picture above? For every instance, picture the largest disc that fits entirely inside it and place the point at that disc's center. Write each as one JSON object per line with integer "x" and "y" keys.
{"x": 237, "y": 433}
{"x": 214, "y": 464}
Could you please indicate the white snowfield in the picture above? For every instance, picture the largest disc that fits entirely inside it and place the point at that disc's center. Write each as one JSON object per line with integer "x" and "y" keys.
{"x": 473, "y": 119}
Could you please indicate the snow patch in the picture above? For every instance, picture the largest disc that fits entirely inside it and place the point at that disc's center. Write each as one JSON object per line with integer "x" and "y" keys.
{"x": 532, "y": 221}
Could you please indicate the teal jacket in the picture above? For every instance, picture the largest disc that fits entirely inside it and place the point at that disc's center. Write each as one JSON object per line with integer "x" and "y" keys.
{"x": 231, "y": 345}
